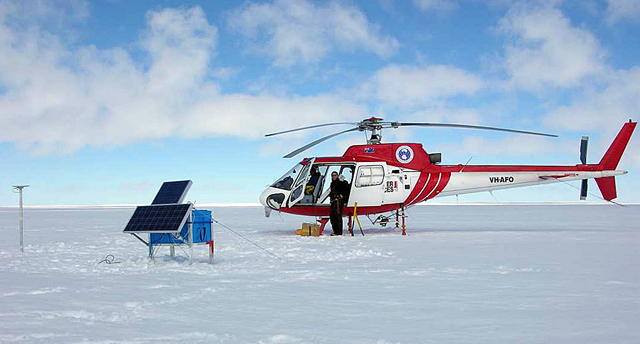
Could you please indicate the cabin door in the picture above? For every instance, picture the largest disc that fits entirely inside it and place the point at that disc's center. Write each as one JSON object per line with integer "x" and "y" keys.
{"x": 368, "y": 186}
{"x": 298, "y": 188}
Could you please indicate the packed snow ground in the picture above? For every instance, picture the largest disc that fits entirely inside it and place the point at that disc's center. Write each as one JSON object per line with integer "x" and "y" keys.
{"x": 464, "y": 274}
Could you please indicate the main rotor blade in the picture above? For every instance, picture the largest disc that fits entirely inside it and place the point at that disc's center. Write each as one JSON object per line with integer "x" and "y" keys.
{"x": 310, "y": 127}
{"x": 304, "y": 148}
{"x": 466, "y": 126}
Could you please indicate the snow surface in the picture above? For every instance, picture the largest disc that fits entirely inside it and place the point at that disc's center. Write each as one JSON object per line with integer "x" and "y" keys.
{"x": 465, "y": 274}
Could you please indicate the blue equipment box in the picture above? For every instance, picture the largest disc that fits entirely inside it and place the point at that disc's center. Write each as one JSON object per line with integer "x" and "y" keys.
{"x": 201, "y": 231}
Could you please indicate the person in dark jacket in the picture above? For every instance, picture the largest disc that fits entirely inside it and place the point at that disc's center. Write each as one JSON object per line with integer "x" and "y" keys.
{"x": 313, "y": 181}
{"x": 338, "y": 195}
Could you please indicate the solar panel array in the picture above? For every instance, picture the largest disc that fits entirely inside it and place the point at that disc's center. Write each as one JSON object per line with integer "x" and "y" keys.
{"x": 158, "y": 218}
{"x": 172, "y": 192}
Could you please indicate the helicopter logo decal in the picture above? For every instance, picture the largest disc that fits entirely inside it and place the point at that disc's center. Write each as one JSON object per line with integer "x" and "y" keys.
{"x": 404, "y": 154}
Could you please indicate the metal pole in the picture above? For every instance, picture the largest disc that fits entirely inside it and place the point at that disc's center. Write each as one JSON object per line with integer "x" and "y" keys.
{"x": 21, "y": 221}
{"x": 211, "y": 250}
{"x": 190, "y": 239}
{"x": 211, "y": 243}
{"x": 150, "y": 248}
{"x": 404, "y": 227}
{"x": 21, "y": 215}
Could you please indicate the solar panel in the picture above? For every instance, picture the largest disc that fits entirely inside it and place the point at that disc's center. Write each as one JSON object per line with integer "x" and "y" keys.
{"x": 172, "y": 192}
{"x": 169, "y": 218}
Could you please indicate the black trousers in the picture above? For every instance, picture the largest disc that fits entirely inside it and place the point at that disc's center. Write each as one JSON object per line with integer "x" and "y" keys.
{"x": 336, "y": 217}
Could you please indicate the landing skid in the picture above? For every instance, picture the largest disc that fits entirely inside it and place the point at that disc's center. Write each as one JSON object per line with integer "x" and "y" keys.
{"x": 400, "y": 214}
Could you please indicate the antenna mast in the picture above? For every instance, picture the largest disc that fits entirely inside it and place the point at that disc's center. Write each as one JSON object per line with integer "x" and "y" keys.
{"x": 21, "y": 216}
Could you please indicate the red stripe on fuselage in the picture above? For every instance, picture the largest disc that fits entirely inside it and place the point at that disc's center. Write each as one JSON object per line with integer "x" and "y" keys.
{"x": 439, "y": 183}
{"x": 518, "y": 168}
{"x": 433, "y": 183}
{"x": 446, "y": 176}
{"x": 424, "y": 176}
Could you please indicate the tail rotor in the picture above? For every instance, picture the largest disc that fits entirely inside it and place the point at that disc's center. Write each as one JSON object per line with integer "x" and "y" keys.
{"x": 583, "y": 158}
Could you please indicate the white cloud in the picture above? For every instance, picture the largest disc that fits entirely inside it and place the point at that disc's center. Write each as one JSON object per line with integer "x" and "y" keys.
{"x": 225, "y": 73}
{"x": 180, "y": 44}
{"x": 107, "y": 98}
{"x": 618, "y": 10}
{"x": 408, "y": 85}
{"x": 58, "y": 15}
{"x": 469, "y": 141}
{"x": 243, "y": 115}
{"x": 604, "y": 110}
{"x": 425, "y": 5}
{"x": 547, "y": 51}
{"x": 513, "y": 145}
{"x": 442, "y": 114}
{"x": 294, "y": 32}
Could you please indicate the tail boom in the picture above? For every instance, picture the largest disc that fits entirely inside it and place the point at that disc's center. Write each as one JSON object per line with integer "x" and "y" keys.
{"x": 470, "y": 182}
{"x": 478, "y": 178}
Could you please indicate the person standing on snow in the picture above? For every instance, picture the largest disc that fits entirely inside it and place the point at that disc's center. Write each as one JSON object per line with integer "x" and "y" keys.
{"x": 338, "y": 195}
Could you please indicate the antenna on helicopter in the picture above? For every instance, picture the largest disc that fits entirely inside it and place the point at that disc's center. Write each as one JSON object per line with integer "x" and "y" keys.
{"x": 375, "y": 126}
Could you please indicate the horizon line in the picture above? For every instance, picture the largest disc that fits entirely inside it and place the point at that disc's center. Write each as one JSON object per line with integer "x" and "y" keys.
{"x": 255, "y": 204}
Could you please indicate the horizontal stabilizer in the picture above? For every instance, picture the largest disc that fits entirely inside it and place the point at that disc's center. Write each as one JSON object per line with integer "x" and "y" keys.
{"x": 607, "y": 186}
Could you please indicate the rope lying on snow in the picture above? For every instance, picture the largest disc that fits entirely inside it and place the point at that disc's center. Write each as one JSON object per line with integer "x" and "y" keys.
{"x": 109, "y": 259}
{"x": 245, "y": 238}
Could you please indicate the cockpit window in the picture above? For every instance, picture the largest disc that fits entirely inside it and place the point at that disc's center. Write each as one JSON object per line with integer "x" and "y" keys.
{"x": 286, "y": 181}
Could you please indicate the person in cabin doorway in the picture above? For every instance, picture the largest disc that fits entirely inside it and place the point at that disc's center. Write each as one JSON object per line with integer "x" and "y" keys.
{"x": 338, "y": 195}
{"x": 313, "y": 181}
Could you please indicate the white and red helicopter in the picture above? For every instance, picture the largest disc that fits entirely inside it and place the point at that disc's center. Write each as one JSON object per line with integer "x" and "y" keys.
{"x": 389, "y": 177}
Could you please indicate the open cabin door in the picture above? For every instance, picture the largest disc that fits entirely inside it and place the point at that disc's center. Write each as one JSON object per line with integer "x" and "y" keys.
{"x": 298, "y": 188}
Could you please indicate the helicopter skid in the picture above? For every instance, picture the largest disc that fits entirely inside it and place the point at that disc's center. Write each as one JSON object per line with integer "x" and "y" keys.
{"x": 324, "y": 211}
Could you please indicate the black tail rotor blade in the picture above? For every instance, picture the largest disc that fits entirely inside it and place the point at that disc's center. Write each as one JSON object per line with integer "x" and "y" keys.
{"x": 467, "y": 126}
{"x": 583, "y": 190}
{"x": 583, "y": 159}
{"x": 584, "y": 143}
{"x": 311, "y": 127}
{"x": 304, "y": 148}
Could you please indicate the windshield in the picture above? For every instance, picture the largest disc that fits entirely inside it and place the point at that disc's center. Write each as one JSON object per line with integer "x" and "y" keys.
{"x": 286, "y": 181}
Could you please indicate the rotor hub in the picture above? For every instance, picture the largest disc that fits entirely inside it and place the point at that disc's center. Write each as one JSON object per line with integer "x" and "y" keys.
{"x": 375, "y": 126}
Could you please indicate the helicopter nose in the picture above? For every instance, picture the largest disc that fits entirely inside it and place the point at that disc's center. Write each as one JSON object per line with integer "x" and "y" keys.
{"x": 263, "y": 197}
{"x": 272, "y": 198}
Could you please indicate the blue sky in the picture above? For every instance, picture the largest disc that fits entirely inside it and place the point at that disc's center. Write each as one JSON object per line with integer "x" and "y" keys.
{"x": 102, "y": 101}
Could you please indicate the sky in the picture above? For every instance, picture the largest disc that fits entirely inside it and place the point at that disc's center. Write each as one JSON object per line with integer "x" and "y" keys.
{"x": 102, "y": 101}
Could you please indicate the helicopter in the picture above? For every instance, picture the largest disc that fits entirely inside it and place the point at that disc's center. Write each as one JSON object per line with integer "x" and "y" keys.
{"x": 390, "y": 177}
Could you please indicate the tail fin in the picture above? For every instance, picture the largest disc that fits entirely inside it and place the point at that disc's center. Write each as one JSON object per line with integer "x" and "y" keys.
{"x": 614, "y": 153}
{"x": 611, "y": 158}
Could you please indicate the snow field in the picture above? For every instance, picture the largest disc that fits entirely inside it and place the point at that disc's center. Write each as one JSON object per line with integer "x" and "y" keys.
{"x": 464, "y": 274}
